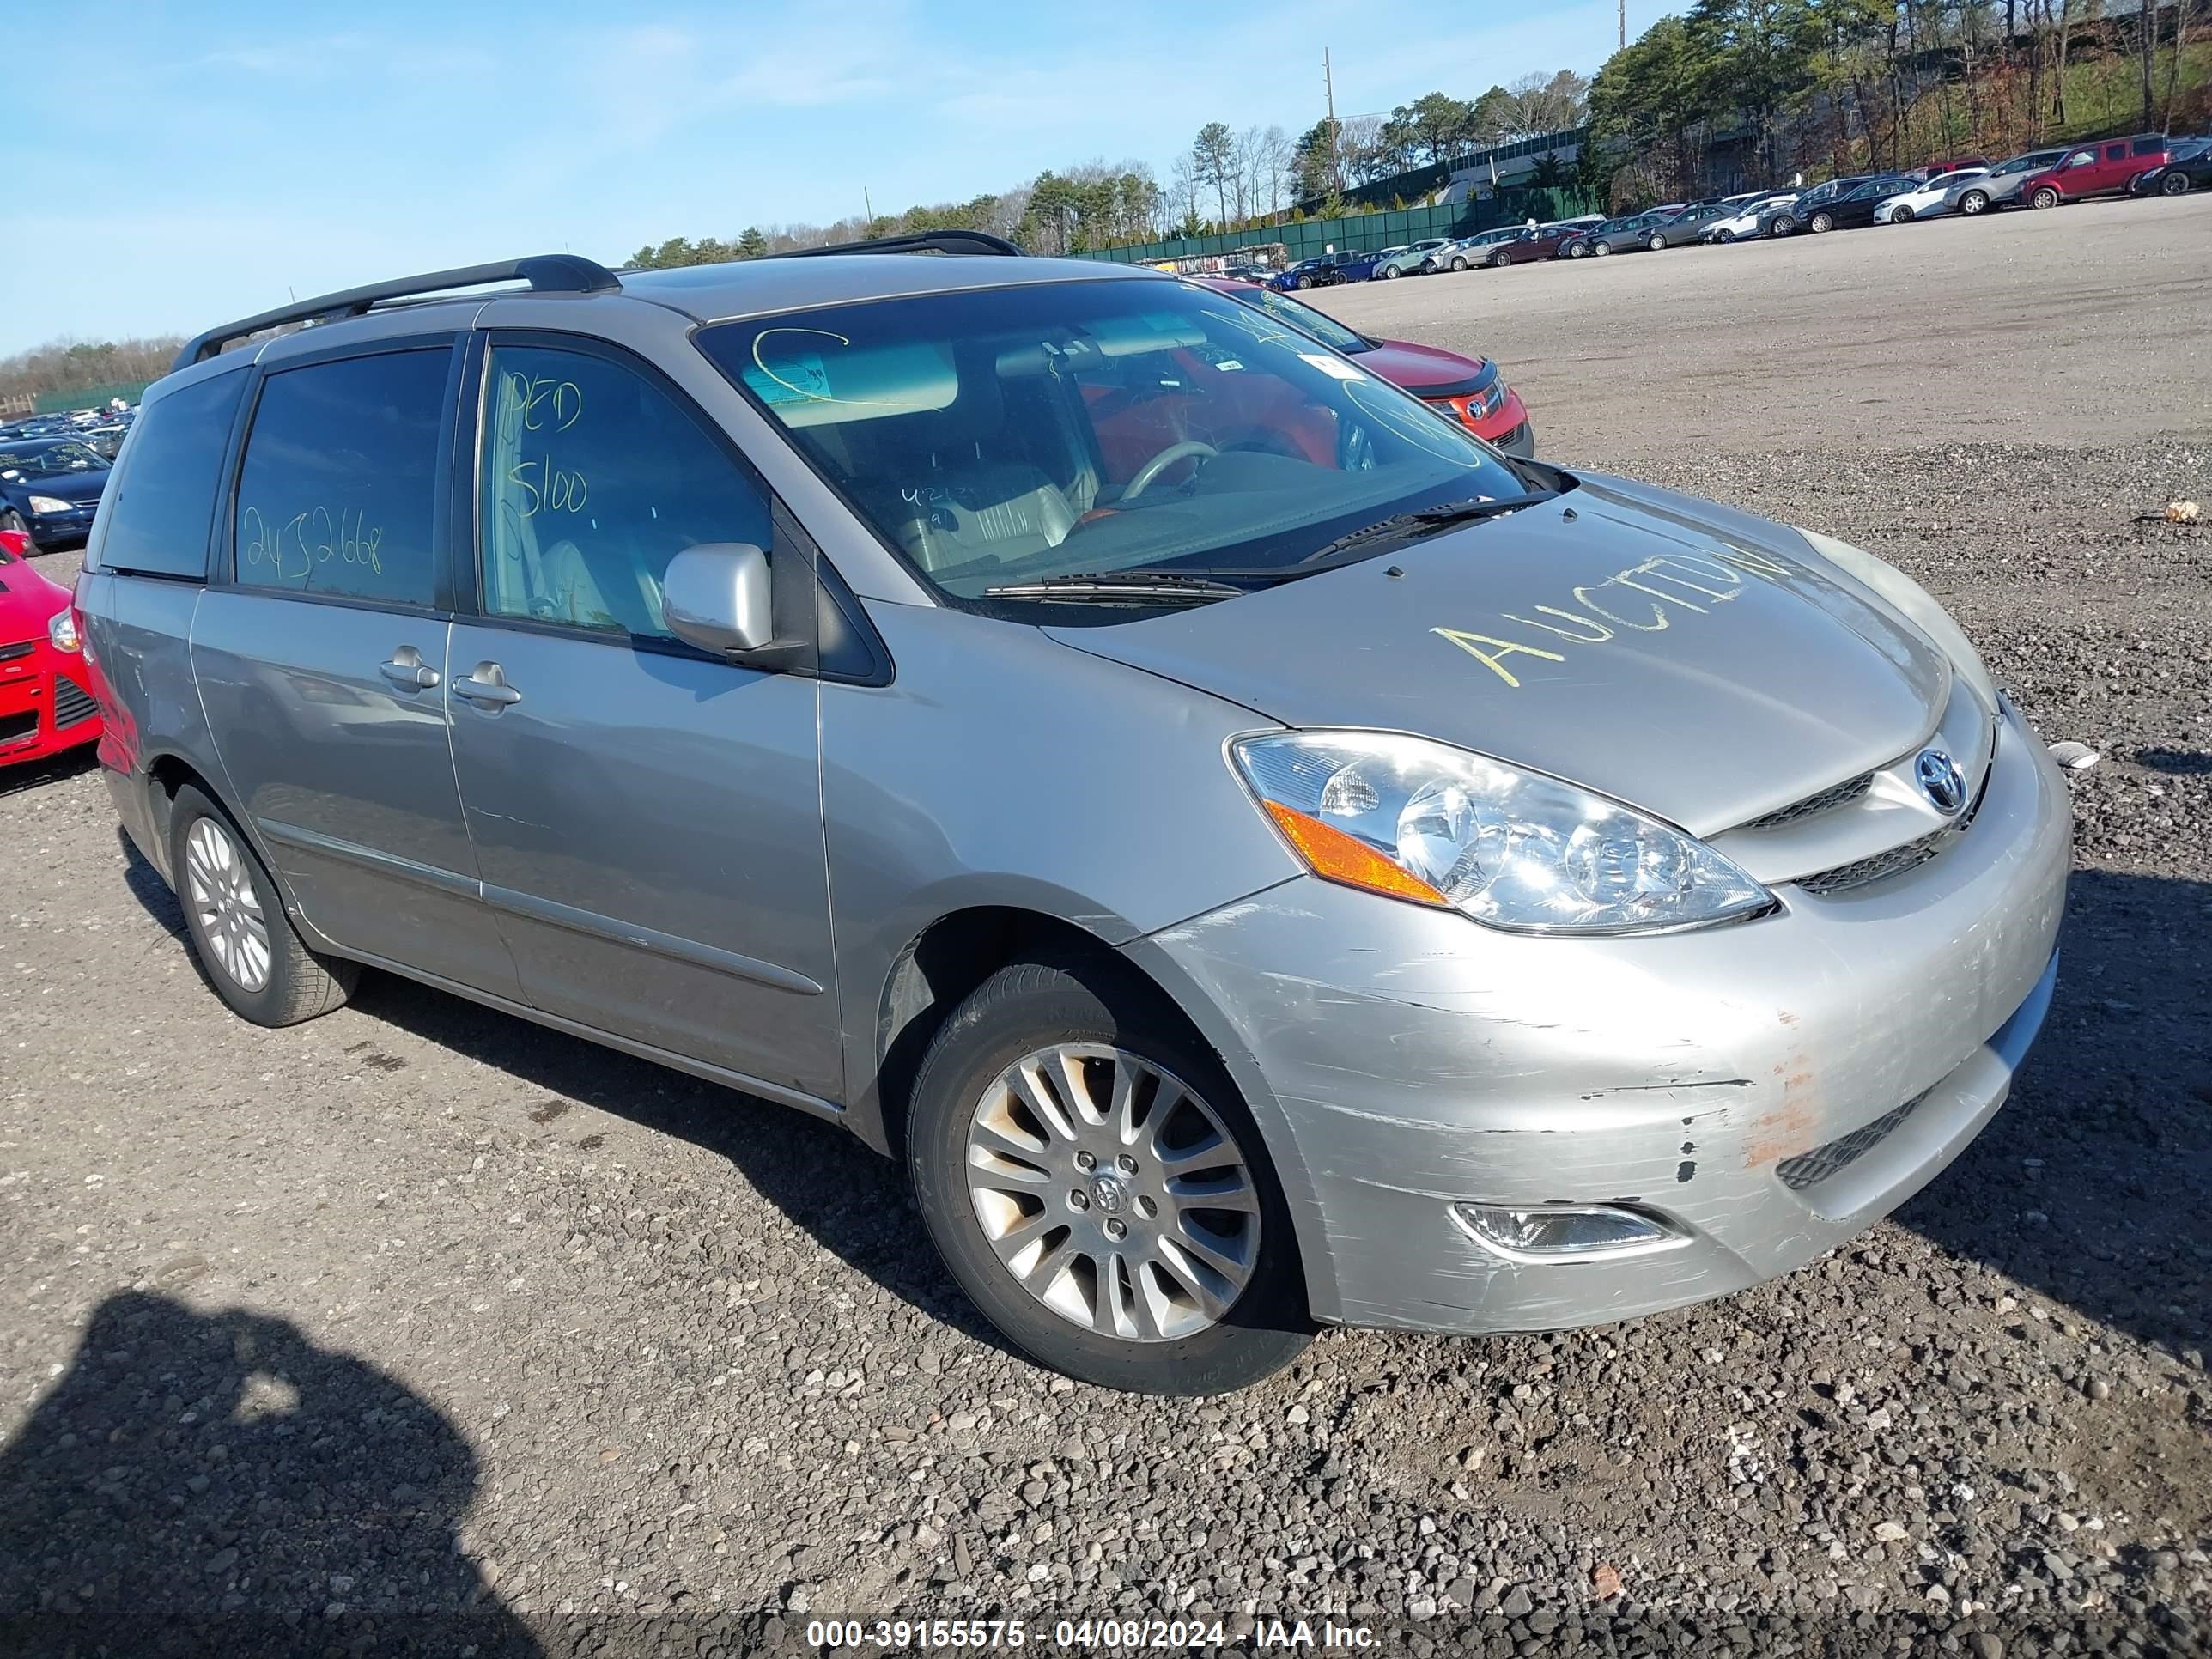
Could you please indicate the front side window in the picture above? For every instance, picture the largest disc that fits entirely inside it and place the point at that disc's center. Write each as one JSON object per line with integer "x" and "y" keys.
{"x": 338, "y": 493}
{"x": 594, "y": 477}
{"x": 1011, "y": 435}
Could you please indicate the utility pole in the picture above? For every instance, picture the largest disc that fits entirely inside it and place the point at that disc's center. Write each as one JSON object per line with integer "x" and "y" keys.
{"x": 870, "y": 208}
{"x": 1335, "y": 137}
{"x": 1624, "y": 25}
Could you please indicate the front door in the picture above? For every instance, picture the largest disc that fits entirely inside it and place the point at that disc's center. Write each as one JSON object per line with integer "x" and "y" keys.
{"x": 321, "y": 663}
{"x": 647, "y": 818}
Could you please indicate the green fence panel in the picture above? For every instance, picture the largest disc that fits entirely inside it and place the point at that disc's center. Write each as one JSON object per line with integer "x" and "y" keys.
{"x": 87, "y": 397}
{"x": 1362, "y": 233}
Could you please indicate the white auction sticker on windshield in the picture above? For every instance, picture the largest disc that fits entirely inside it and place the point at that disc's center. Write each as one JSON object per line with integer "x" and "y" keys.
{"x": 1331, "y": 366}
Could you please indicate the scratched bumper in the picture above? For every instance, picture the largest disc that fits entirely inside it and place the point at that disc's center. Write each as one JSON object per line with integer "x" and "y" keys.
{"x": 1400, "y": 1059}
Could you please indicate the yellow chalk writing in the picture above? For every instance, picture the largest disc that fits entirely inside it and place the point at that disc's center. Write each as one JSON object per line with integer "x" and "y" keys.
{"x": 1470, "y": 642}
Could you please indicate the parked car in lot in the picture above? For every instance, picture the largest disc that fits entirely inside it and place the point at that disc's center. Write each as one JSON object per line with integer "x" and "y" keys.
{"x": 1468, "y": 390}
{"x": 2002, "y": 187}
{"x": 2188, "y": 167}
{"x": 1935, "y": 170}
{"x": 1410, "y": 261}
{"x": 1616, "y": 236}
{"x": 1318, "y": 872}
{"x": 1465, "y": 250}
{"x": 1787, "y": 218}
{"x": 1318, "y": 272}
{"x": 2104, "y": 168}
{"x": 1928, "y": 200}
{"x": 1745, "y": 221}
{"x": 50, "y": 488}
{"x": 1852, "y": 209}
{"x": 45, "y": 705}
{"x": 1687, "y": 225}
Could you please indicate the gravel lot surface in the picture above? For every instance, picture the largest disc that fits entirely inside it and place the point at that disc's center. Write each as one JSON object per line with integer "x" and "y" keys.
{"x": 420, "y": 1327}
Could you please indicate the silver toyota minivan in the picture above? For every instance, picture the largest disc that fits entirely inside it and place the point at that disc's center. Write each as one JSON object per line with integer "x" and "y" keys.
{"x": 1258, "y": 856}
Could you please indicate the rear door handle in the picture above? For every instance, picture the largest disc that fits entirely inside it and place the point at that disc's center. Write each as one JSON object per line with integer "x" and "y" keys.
{"x": 407, "y": 671}
{"x": 487, "y": 684}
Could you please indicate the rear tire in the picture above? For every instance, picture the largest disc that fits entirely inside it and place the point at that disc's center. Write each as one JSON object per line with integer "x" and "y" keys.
{"x": 246, "y": 947}
{"x": 1025, "y": 1017}
{"x": 2174, "y": 183}
{"x": 2045, "y": 197}
{"x": 1973, "y": 202}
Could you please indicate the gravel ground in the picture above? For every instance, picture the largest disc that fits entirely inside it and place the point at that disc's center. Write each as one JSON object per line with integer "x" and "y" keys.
{"x": 420, "y": 1328}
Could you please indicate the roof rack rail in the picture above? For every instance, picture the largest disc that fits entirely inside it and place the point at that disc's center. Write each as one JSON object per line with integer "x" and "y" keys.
{"x": 546, "y": 273}
{"x": 919, "y": 241}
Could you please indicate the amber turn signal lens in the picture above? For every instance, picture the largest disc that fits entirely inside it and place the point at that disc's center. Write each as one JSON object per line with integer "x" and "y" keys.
{"x": 1336, "y": 856}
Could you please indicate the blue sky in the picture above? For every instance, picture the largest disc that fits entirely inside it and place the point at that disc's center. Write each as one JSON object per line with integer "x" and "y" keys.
{"x": 180, "y": 165}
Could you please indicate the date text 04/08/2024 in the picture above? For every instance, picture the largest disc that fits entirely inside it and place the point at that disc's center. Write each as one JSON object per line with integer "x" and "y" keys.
{"x": 1100, "y": 1635}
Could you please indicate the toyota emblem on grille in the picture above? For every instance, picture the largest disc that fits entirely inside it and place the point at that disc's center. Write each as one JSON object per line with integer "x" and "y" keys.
{"x": 1940, "y": 780}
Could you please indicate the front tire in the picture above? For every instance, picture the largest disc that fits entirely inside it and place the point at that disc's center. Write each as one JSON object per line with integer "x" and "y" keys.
{"x": 1096, "y": 1186}
{"x": 1785, "y": 225}
{"x": 1900, "y": 216}
{"x": 2045, "y": 197}
{"x": 1973, "y": 202}
{"x": 1724, "y": 237}
{"x": 11, "y": 520}
{"x": 246, "y": 946}
{"x": 1601, "y": 249}
{"x": 1576, "y": 252}
{"x": 1656, "y": 243}
{"x": 1304, "y": 280}
{"x": 2174, "y": 183}
{"x": 1819, "y": 223}
{"x": 1500, "y": 259}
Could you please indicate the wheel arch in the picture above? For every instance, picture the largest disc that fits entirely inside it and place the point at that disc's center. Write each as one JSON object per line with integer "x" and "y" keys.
{"x": 959, "y": 949}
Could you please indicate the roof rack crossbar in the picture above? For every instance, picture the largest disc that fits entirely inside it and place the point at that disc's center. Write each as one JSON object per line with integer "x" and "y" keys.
{"x": 546, "y": 273}
{"x": 919, "y": 241}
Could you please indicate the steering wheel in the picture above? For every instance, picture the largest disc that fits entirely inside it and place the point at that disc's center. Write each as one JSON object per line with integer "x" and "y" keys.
{"x": 1160, "y": 463}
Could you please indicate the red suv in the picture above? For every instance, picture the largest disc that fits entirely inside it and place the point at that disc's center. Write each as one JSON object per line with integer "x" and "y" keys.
{"x": 2104, "y": 168}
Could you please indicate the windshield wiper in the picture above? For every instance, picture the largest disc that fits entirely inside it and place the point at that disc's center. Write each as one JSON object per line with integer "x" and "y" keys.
{"x": 1427, "y": 521}
{"x": 1120, "y": 586}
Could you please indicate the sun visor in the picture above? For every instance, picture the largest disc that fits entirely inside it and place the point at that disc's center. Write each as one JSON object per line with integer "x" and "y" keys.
{"x": 809, "y": 377}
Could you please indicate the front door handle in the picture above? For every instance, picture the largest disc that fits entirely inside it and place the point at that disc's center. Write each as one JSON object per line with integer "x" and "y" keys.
{"x": 487, "y": 684}
{"x": 407, "y": 671}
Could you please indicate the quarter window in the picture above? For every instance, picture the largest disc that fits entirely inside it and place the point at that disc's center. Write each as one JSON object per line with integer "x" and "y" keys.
{"x": 593, "y": 478}
{"x": 338, "y": 493}
{"x": 163, "y": 502}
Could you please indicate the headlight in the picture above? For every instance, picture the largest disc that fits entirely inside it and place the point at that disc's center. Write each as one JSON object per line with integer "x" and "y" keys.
{"x": 1416, "y": 820}
{"x": 61, "y": 629}
{"x": 50, "y": 504}
{"x": 1908, "y": 596}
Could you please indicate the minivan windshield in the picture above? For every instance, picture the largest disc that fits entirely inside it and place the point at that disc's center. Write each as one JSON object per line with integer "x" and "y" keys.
{"x": 1009, "y": 436}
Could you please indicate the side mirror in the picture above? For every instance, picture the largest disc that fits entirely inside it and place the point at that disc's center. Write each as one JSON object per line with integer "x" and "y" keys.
{"x": 715, "y": 595}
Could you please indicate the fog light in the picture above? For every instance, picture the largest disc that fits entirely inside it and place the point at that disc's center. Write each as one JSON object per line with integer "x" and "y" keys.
{"x": 1562, "y": 1229}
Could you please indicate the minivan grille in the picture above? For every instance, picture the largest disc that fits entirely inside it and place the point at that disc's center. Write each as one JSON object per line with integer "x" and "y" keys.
{"x": 1862, "y": 873}
{"x": 1825, "y": 800}
{"x": 72, "y": 702}
{"x": 1810, "y": 1169}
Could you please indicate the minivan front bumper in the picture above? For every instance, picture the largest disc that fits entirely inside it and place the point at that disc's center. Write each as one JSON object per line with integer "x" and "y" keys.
{"x": 1763, "y": 1091}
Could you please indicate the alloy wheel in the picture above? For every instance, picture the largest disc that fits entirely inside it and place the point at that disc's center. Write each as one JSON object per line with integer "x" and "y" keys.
{"x": 2174, "y": 183}
{"x": 220, "y": 888}
{"x": 1972, "y": 201}
{"x": 1901, "y": 216}
{"x": 1112, "y": 1193}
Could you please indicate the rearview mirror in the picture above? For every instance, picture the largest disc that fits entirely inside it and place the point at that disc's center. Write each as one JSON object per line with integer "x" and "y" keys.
{"x": 715, "y": 595}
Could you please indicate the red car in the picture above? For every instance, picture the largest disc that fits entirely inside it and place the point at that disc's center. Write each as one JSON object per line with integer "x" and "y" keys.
{"x": 2106, "y": 167}
{"x": 44, "y": 706}
{"x": 1468, "y": 390}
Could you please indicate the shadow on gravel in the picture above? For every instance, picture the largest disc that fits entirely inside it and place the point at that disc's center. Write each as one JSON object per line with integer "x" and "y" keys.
{"x": 152, "y": 893}
{"x": 849, "y": 1200}
{"x": 2180, "y": 762}
{"x": 2092, "y": 1185}
{"x": 55, "y": 769}
{"x": 216, "y": 1483}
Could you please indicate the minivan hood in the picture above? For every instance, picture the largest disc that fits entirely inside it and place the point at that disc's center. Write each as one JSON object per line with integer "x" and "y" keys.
{"x": 1697, "y": 662}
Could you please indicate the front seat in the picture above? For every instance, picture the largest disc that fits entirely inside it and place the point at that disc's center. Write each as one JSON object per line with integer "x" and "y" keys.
{"x": 979, "y": 508}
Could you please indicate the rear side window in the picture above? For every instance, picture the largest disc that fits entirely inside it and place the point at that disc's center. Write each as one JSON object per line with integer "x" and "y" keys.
{"x": 337, "y": 495}
{"x": 2148, "y": 146}
{"x": 160, "y": 505}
